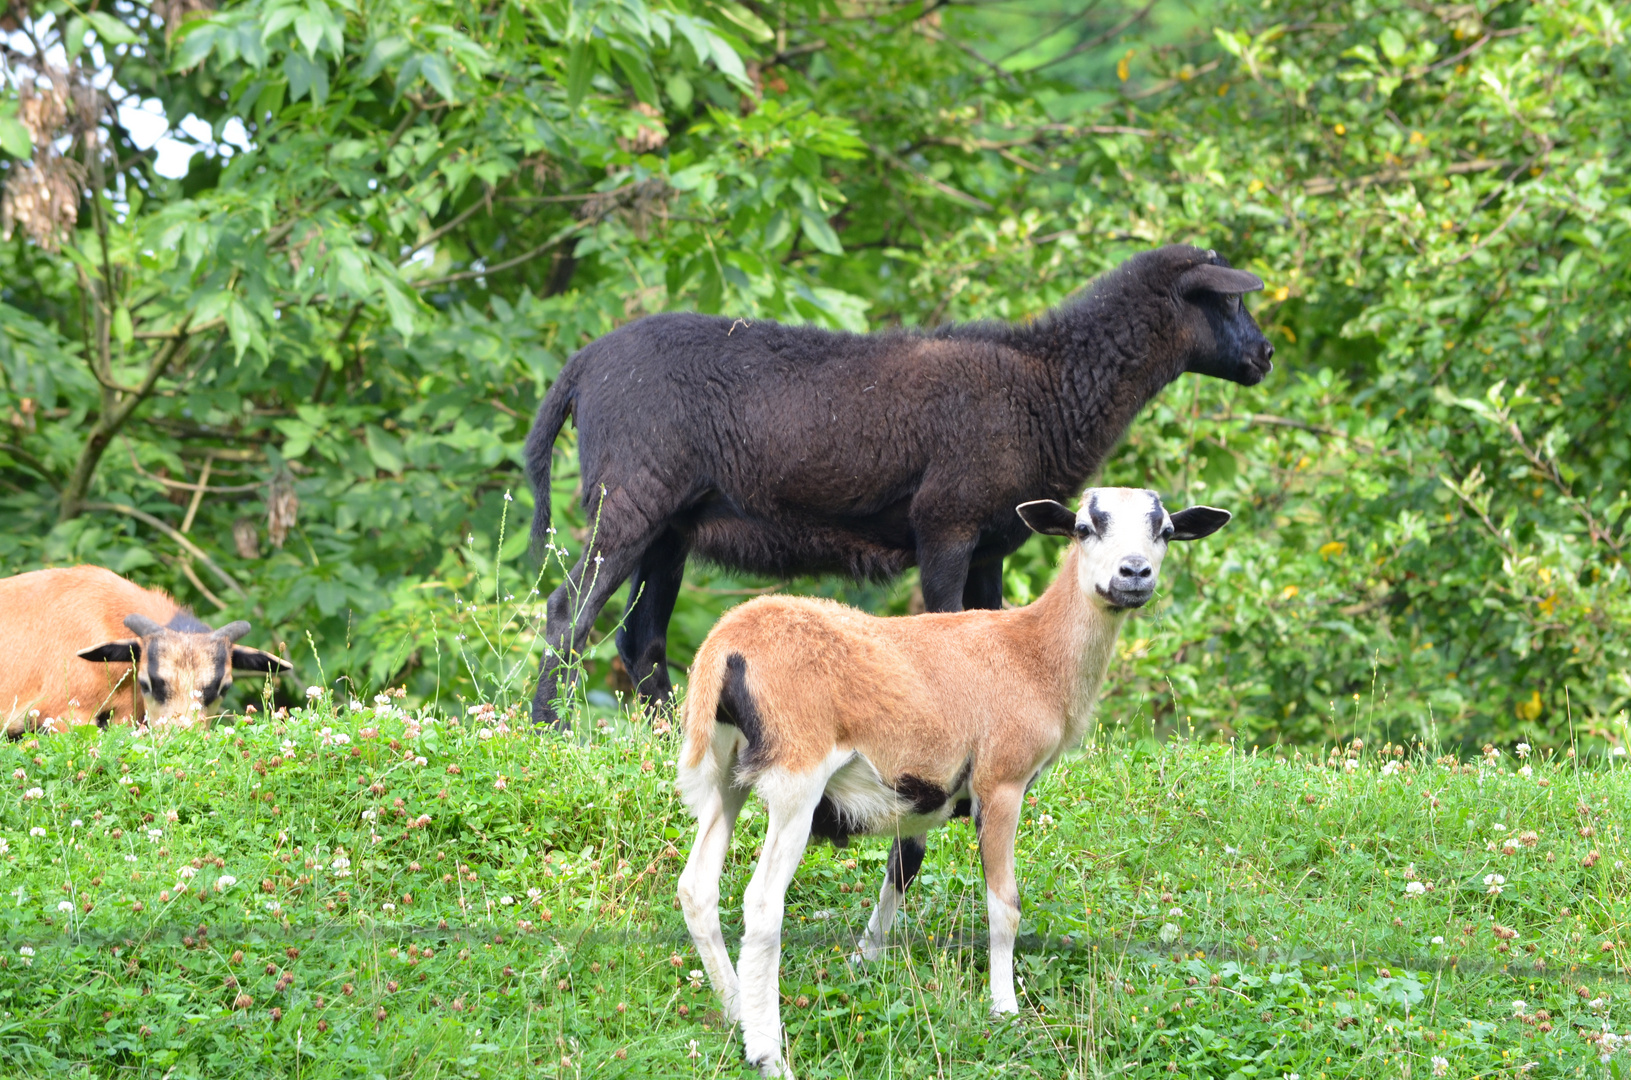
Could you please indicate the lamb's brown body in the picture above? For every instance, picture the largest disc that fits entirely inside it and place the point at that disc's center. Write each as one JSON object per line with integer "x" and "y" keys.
{"x": 46, "y": 617}
{"x": 1003, "y": 690}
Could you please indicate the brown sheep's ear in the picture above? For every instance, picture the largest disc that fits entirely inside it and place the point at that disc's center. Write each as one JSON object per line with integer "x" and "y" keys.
{"x": 1047, "y": 517}
{"x": 1198, "y": 521}
{"x": 1218, "y": 279}
{"x": 128, "y": 651}
{"x": 246, "y": 659}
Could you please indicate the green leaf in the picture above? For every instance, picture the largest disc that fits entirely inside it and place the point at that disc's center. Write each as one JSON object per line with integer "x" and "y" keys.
{"x": 122, "y": 330}
{"x": 579, "y": 68}
{"x": 73, "y": 37}
{"x": 820, "y": 233}
{"x": 14, "y": 138}
{"x": 109, "y": 29}
{"x": 747, "y": 20}
{"x": 679, "y": 90}
{"x": 439, "y": 73}
{"x": 645, "y": 87}
{"x": 1393, "y": 44}
{"x": 306, "y": 76}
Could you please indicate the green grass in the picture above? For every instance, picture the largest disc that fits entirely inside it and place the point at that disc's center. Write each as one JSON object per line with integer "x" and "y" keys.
{"x": 1189, "y": 911}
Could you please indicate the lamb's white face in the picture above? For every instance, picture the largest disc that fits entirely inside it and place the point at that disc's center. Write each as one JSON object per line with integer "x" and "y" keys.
{"x": 1122, "y": 535}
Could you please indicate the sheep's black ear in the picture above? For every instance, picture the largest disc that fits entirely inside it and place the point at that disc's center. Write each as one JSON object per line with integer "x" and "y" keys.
{"x": 113, "y": 652}
{"x": 246, "y": 659}
{"x": 1198, "y": 521}
{"x": 1047, "y": 517}
{"x": 1218, "y": 279}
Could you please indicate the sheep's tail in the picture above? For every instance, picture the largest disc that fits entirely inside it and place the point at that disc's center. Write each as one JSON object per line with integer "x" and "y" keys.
{"x": 540, "y": 449}
{"x": 700, "y": 769}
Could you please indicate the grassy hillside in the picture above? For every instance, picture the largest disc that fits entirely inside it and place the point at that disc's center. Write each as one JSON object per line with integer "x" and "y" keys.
{"x": 347, "y": 891}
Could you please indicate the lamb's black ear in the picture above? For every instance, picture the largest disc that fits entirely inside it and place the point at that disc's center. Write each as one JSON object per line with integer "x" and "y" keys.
{"x": 1218, "y": 279}
{"x": 1047, "y": 517}
{"x": 1198, "y": 521}
{"x": 246, "y": 659}
{"x": 127, "y": 651}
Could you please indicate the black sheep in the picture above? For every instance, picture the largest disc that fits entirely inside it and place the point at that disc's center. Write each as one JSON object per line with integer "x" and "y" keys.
{"x": 795, "y": 450}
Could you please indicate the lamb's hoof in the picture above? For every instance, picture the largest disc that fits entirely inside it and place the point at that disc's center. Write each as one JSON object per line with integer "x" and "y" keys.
{"x": 866, "y": 951}
{"x": 769, "y": 1062}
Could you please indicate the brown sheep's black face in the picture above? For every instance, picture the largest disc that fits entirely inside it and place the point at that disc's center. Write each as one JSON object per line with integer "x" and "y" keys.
{"x": 1227, "y": 341}
{"x": 181, "y": 673}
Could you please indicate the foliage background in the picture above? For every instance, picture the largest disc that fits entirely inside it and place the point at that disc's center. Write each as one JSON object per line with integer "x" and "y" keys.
{"x": 409, "y": 213}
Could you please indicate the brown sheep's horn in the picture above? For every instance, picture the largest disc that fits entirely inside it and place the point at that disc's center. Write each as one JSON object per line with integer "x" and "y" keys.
{"x": 141, "y": 625}
{"x": 232, "y": 631}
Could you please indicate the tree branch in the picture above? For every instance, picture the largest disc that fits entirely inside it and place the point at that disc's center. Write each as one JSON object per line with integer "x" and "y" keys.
{"x": 507, "y": 264}
{"x": 168, "y": 530}
{"x": 1096, "y": 41}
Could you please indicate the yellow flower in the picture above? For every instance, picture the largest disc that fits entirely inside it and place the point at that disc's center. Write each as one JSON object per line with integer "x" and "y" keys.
{"x": 1335, "y": 547}
{"x": 1341, "y": 129}
{"x": 1529, "y": 710}
{"x": 1288, "y": 592}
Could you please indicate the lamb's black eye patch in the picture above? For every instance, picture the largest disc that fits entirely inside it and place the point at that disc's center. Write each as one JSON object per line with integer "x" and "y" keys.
{"x": 1158, "y": 516}
{"x": 1101, "y": 520}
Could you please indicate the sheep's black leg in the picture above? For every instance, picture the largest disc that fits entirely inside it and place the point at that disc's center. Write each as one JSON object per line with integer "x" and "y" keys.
{"x": 983, "y": 589}
{"x": 905, "y": 860}
{"x": 944, "y": 570}
{"x": 577, "y": 602}
{"x": 642, "y": 641}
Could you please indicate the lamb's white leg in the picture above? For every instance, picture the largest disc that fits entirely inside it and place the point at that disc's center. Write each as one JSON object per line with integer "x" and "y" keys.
{"x": 791, "y": 801}
{"x": 699, "y": 893}
{"x": 905, "y": 859}
{"x": 998, "y": 821}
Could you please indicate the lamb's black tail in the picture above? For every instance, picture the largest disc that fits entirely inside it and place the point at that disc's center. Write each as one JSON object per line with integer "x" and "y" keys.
{"x": 552, "y": 414}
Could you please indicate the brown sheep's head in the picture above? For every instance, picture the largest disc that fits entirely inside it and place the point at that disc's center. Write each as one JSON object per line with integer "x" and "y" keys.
{"x": 182, "y": 671}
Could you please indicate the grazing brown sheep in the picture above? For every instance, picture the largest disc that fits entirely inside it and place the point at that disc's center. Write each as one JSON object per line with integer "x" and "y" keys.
{"x": 796, "y": 450}
{"x": 74, "y": 638}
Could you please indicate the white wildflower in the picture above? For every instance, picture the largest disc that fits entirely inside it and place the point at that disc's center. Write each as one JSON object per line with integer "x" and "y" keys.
{"x": 1523, "y": 749}
{"x": 1526, "y": 771}
{"x": 27, "y": 953}
{"x": 1495, "y": 883}
{"x": 225, "y": 882}
{"x": 1169, "y": 933}
{"x": 1518, "y": 1007}
{"x": 387, "y": 906}
{"x": 187, "y": 872}
{"x": 1415, "y": 888}
{"x": 314, "y": 692}
{"x": 130, "y": 858}
{"x": 1392, "y": 767}
{"x": 36, "y": 831}
{"x": 341, "y": 866}
{"x": 66, "y": 905}
{"x": 1441, "y": 1066}
{"x": 506, "y": 900}
{"x": 1438, "y": 939}
{"x": 33, "y": 793}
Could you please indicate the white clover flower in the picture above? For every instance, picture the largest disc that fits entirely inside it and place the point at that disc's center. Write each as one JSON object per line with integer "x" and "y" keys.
{"x": 1498, "y": 827}
{"x": 1438, "y": 939}
{"x": 34, "y": 793}
{"x": 506, "y": 900}
{"x": 225, "y": 882}
{"x": 1526, "y": 771}
{"x": 484, "y": 733}
{"x": 1441, "y": 1066}
{"x": 226, "y": 729}
{"x": 130, "y": 858}
{"x": 5, "y": 846}
{"x": 1619, "y": 751}
{"x": 1518, "y": 1007}
{"x": 314, "y": 692}
{"x": 370, "y": 815}
{"x": 534, "y": 893}
{"x": 153, "y": 835}
{"x": 1392, "y": 767}
{"x": 1495, "y": 883}
{"x": 273, "y": 906}
{"x": 421, "y": 760}
{"x": 1415, "y": 888}
{"x": 187, "y": 873}
{"x": 1176, "y": 912}
{"x": 1350, "y": 764}
{"x": 387, "y": 906}
{"x": 76, "y": 824}
{"x": 1169, "y": 933}
{"x": 382, "y": 699}
{"x": 1045, "y": 819}
{"x": 27, "y": 953}
{"x": 1227, "y": 850}
{"x": 1522, "y": 749}
{"x": 66, "y": 905}
{"x": 288, "y": 746}
{"x": 341, "y": 866}
{"x": 36, "y": 831}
